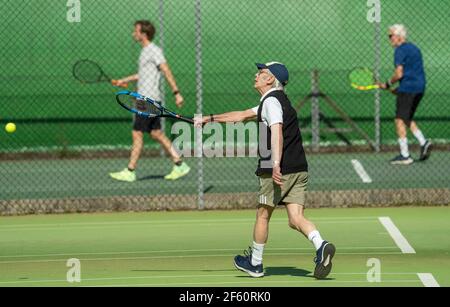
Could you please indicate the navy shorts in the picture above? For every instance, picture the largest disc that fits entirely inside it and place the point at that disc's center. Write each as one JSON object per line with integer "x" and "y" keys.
{"x": 146, "y": 124}
{"x": 407, "y": 104}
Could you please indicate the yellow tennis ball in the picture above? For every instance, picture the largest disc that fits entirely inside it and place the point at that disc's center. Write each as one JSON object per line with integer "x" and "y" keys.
{"x": 10, "y": 127}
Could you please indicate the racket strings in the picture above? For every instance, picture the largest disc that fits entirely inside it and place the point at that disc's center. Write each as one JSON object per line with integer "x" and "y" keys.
{"x": 140, "y": 105}
{"x": 87, "y": 71}
{"x": 152, "y": 109}
{"x": 362, "y": 77}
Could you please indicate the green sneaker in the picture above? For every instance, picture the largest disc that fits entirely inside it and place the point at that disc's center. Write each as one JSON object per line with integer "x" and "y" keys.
{"x": 178, "y": 172}
{"x": 124, "y": 175}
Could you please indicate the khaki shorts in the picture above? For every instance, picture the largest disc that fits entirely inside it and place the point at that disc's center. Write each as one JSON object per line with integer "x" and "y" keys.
{"x": 292, "y": 192}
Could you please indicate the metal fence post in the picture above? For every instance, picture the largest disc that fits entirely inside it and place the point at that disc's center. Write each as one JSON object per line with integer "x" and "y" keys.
{"x": 377, "y": 92}
{"x": 315, "y": 110}
{"x": 163, "y": 83}
{"x": 199, "y": 99}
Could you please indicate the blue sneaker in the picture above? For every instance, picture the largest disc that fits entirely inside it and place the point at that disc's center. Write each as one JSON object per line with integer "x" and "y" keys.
{"x": 244, "y": 263}
{"x": 323, "y": 260}
{"x": 425, "y": 151}
{"x": 400, "y": 160}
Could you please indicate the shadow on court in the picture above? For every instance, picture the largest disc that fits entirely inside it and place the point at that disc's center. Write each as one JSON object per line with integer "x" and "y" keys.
{"x": 269, "y": 271}
{"x": 291, "y": 271}
{"x": 184, "y": 270}
{"x": 151, "y": 177}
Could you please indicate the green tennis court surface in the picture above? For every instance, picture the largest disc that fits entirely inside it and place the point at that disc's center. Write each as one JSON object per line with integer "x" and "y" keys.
{"x": 57, "y": 178}
{"x": 197, "y": 248}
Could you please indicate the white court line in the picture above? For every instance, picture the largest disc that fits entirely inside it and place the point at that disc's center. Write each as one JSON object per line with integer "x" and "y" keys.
{"x": 179, "y": 276}
{"x": 181, "y": 257}
{"x": 397, "y": 236}
{"x": 428, "y": 280}
{"x": 197, "y": 283}
{"x": 169, "y": 221}
{"x": 165, "y": 225}
{"x": 359, "y": 169}
{"x": 183, "y": 251}
{"x": 262, "y": 282}
{"x": 115, "y": 278}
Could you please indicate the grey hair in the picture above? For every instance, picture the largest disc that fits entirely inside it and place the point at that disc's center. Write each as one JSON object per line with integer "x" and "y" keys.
{"x": 399, "y": 30}
{"x": 276, "y": 84}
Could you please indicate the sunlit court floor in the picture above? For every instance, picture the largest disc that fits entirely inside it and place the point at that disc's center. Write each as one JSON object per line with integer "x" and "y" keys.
{"x": 404, "y": 246}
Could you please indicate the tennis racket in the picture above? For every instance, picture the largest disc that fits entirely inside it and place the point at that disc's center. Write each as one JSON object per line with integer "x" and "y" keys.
{"x": 87, "y": 71}
{"x": 363, "y": 79}
{"x": 146, "y": 107}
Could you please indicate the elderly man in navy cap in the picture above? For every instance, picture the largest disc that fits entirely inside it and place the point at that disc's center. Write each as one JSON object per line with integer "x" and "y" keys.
{"x": 282, "y": 169}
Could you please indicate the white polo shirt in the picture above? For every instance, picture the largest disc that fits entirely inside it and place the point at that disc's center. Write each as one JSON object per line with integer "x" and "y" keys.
{"x": 149, "y": 73}
{"x": 272, "y": 112}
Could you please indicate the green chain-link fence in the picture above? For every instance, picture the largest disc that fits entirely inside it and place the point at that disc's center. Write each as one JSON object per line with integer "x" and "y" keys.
{"x": 70, "y": 135}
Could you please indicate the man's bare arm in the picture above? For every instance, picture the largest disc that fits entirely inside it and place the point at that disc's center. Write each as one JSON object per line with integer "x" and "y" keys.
{"x": 232, "y": 117}
{"x": 277, "y": 151}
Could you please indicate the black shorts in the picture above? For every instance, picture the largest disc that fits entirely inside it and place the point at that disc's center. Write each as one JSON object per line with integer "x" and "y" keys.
{"x": 407, "y": 104}
{"x": 146, "y": 124}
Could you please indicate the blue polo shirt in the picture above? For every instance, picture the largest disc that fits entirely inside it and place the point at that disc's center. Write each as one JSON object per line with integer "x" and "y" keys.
{"x": 409, "y": 56}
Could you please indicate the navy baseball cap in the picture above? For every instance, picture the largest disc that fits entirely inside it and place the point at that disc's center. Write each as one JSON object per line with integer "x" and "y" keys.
{"x": 279, "y": 70}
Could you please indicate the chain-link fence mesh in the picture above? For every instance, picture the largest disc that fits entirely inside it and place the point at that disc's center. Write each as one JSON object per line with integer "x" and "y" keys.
{"x": 70, "y": 135}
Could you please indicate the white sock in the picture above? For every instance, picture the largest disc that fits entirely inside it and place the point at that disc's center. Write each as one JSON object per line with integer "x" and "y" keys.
{"x": 257, "y": 253}
{"x": 420, "y": 137}
{"x": 404, "y": 147}
{"x": 315, "y": 238}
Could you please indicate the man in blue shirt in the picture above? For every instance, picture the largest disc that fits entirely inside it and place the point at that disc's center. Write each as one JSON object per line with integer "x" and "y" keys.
{"x": 410, "y": 73}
